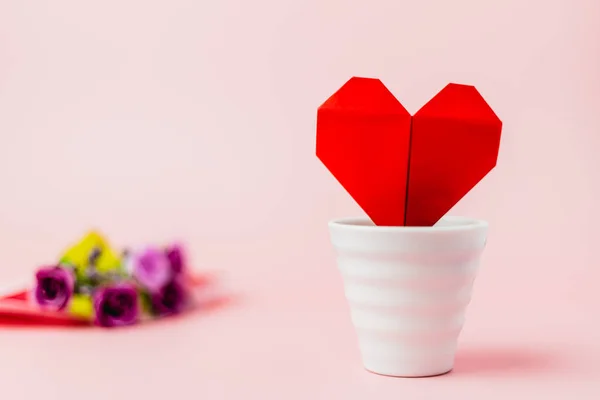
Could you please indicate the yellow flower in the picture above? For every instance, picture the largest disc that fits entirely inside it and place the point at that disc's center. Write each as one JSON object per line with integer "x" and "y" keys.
{"x": 79, "y": 254}
{"x": 108, "y": 261}
{"x": 81, "y": 306}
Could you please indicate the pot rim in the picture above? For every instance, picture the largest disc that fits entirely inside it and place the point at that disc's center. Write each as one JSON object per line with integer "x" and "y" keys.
{"x": 447, "y": 223}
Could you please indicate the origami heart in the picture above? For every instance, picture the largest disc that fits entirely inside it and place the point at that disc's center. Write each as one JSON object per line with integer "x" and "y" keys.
{"x": 405, "y": 170}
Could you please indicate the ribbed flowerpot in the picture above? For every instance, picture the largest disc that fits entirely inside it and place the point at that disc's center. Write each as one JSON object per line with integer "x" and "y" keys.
{"x": 408, "y": 289}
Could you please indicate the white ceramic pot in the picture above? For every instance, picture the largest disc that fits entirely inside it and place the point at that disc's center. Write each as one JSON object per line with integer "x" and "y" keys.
{"x": 408, "y": 289}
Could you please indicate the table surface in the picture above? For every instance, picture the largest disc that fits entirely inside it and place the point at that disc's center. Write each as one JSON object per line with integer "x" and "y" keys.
{"x": 290, "y": 337}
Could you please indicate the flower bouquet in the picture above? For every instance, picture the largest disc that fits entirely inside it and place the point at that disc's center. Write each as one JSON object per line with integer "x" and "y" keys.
{"x": 94, "y": 283}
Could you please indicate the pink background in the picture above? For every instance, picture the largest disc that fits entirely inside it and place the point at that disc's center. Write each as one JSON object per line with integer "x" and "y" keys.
{"x": 154, "y": 120}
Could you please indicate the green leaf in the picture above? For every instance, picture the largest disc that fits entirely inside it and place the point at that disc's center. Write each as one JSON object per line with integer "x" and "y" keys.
{"x": 145, "y": 303}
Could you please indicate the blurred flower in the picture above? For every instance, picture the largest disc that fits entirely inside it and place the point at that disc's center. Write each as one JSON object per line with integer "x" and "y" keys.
{"x": 92, "y": 249}
{"x": 116, "y": 305}
{"x": 91, "y": 276}
{"x": 81, "y": 306}
{"x": 176, "y": 259}
{"x": 109, "y": 261}
{"x": 170, "y": 299}
{"x": 151, "y": 268}
{"x": 54, "y": 287}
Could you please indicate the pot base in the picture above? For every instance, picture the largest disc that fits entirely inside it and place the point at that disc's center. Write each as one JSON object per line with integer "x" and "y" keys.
{"x": 409, "y": 375}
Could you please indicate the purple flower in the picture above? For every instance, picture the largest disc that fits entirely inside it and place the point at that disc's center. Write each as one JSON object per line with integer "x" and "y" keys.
{"x": 116, "y": 305}
{"x": 170, "y": 299}
{"x": 176, "y": 259}
{"x": 151, "y": 268}
{"x": 54, "y": 287}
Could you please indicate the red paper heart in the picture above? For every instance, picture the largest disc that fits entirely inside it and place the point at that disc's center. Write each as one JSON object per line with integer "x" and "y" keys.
{"x": 363, "y": 136}
{"x": 405, "y": 170}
